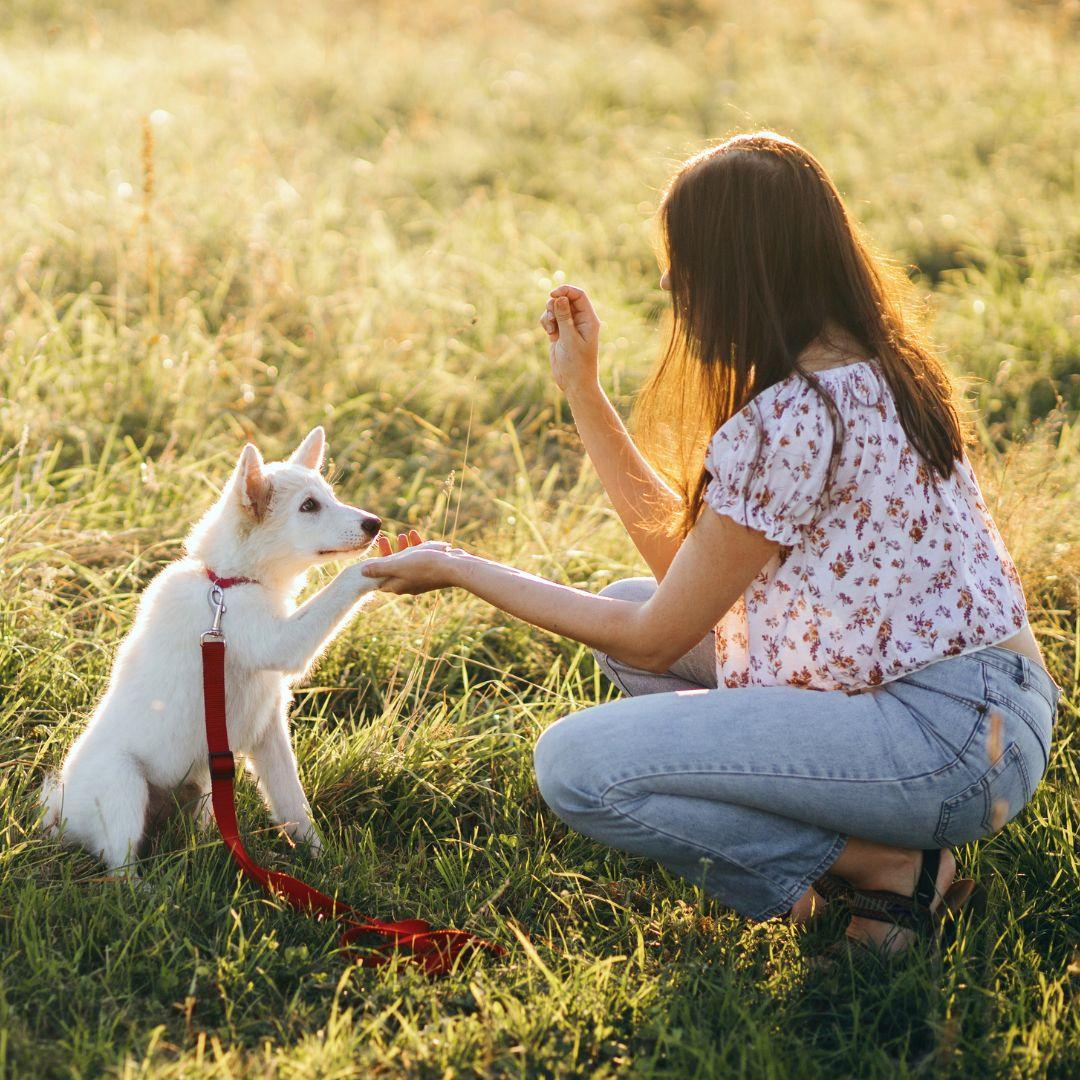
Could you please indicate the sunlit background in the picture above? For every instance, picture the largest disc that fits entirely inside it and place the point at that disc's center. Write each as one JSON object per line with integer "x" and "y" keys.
{"x": 227, "y": 220}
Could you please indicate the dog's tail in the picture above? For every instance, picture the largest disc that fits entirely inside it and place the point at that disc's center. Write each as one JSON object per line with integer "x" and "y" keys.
{"x": 51, "y": 802}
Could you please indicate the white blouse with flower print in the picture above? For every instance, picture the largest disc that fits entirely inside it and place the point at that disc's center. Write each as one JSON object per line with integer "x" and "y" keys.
{"x": 890, "y": 570}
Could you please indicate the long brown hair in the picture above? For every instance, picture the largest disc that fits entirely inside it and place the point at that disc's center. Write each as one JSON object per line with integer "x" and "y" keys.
{"x": 763, "y": 259}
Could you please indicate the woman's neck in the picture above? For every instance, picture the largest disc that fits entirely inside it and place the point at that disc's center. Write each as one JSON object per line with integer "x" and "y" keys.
{"x": 833, "y": 347}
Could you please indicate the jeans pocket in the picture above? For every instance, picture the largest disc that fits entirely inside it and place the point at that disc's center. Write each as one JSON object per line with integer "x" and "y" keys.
{"x": 984, "y": 807}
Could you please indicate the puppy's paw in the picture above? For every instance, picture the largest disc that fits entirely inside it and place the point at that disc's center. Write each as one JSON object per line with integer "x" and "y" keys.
{"x": 303, "y": 834}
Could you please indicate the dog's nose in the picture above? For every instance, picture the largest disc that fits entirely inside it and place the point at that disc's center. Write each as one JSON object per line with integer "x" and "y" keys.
{"x": 371, "y": 525}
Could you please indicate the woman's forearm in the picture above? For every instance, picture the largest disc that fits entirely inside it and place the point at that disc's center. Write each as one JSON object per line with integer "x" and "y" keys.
{"x": 652, "y": 635}
{"x": 613, "y": 626}
{"x": 641, "y": 499}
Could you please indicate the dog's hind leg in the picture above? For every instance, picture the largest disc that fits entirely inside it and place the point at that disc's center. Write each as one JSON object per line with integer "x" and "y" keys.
{"x": 51, "y": 805}
{"x": 273, "y": 763}
{"x": 187, "y": 798}
{"x": 106, "y": 798}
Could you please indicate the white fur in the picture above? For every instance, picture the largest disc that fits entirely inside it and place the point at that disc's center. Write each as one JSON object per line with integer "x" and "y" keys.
{"x": 146, "y": 736}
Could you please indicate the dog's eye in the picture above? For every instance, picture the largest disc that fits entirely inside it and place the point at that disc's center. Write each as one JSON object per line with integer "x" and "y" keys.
{"x": 309, "y": 506}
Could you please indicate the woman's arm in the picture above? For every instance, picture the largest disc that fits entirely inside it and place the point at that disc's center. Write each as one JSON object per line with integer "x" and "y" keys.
{"x": 711, "y": 570}
{"x": 640, "y": 497}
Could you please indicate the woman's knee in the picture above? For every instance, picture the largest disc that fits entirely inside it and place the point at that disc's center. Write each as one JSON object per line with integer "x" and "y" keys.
{"x": 565, "y": 760}
{"x": 637, "y": 589}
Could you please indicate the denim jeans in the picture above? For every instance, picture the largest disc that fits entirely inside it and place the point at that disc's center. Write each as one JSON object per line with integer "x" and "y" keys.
{"x": 753, "y": 792}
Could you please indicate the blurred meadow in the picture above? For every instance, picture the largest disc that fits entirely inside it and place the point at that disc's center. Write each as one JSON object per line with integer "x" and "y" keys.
{"x": 227, "y": 219}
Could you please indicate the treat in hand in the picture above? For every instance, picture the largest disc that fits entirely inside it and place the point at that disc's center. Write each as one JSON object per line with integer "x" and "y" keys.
{"x": 573, "y": 331}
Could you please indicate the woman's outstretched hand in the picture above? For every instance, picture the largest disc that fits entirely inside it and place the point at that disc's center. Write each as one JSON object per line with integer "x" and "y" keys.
{"x": 573, "y": 331}
{"x": 417, "y": 566}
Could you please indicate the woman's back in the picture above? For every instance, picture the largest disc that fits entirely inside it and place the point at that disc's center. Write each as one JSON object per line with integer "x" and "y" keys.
{"x": 888, "y": 570}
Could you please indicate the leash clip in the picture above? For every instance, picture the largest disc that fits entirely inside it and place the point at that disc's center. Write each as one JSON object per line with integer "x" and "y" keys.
{"x": 216, "y": 597}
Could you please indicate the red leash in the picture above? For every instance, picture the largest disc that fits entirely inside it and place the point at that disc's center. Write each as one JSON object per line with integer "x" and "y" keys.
{"x": 436, "y": 951}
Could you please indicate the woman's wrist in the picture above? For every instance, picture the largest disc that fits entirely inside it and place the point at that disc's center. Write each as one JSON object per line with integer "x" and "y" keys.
{"x": 460, "y": 568}
{"x": 584, "y": 392}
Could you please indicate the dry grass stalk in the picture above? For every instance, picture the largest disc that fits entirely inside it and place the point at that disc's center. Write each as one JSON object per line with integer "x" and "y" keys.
{"x": 147, "y": 158}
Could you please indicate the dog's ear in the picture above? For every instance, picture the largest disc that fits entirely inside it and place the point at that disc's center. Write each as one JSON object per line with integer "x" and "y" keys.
{"x": 251, "y": 484}
{"x": 311, "y": 451}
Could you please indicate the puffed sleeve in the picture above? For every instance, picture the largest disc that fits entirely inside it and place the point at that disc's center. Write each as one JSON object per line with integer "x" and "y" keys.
{"x": 768, "y": 465}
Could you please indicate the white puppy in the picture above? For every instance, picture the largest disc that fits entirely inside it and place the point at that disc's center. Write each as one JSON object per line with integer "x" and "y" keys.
{"x": 146, "y": 737}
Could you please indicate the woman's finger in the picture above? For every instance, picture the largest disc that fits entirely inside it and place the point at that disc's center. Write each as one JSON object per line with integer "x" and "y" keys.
{"x": 570, "y": 291}
{"x": 385, "y": 547}
{"x": 580, "y": 304}
{"x": 402, "y": 541}
{"x": 415, "y": 539}
{"x": 564, "y": 315}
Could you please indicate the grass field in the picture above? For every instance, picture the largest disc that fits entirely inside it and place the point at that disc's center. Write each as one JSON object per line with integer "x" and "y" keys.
{"x": 250, "y": 218}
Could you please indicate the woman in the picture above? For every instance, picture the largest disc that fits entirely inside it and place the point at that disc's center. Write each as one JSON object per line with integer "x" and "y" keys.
{"x": 831, "y": 681}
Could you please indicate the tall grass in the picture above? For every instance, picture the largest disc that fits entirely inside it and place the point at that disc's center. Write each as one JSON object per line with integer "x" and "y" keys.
{"x": 235, "y": 220}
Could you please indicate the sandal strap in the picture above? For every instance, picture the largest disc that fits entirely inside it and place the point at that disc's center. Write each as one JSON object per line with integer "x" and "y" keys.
{"x": 926, "y": 886}
{"x": 889, "y": 907}
{"x": 829, "y": 887}
{"x": 908, "y": 912}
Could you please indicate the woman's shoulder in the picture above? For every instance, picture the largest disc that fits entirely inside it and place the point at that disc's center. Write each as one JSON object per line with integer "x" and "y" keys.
{"x": 787, "y": 414}
{"x": 794, "y": 412}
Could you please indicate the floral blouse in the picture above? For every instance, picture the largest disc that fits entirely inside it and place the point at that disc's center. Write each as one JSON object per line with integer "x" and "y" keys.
{"x": 891, "y": 570}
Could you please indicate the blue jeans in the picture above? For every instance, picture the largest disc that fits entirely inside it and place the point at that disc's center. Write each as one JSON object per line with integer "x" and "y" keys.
{"x": 752, "y": 793}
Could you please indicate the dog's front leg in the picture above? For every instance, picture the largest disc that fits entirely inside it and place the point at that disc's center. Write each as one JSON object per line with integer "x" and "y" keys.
{"x": 293, "y": 644}
{"x": 273, "y": 764}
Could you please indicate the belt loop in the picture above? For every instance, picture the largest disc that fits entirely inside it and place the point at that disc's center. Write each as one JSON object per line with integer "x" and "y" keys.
{"x": 1025, "y": 672}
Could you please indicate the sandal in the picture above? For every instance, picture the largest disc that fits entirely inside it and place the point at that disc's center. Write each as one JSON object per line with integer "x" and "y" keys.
{"x": 914, "y": 912}
{"x": 905, "y": 912}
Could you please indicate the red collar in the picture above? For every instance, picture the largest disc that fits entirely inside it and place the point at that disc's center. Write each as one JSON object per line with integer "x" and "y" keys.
{"x": 228, "y": 582}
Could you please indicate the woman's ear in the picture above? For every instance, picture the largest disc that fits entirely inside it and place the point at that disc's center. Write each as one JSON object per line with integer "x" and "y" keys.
{"x": 251, "y": 484}
{"x": 311, "y": 451}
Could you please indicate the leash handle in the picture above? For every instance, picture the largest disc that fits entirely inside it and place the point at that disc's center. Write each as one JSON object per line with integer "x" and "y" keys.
{"x": 436, "y": 951}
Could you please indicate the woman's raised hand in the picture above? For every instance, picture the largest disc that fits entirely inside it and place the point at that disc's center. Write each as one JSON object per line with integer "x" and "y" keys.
{"x": 573, "y": 331}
